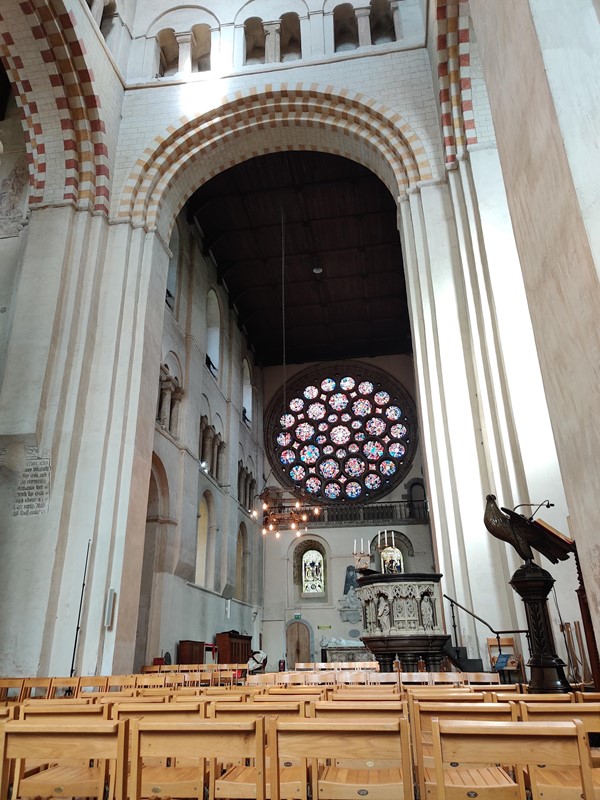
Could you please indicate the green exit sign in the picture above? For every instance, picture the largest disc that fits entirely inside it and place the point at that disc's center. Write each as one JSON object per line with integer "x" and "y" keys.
{"x": 297, "y": 616}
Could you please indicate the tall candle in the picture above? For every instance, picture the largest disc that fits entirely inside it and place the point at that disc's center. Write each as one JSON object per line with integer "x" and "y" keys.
{"x": 393, "y": 540}
{"x": 354, "y": 551}
{"x": 386, "y": 538}
{"x": 362, "y": 546}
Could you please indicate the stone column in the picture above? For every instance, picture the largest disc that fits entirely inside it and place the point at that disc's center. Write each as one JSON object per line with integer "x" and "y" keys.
{"x": 166, "y": 393}
{"x": 328, "y": 33}
{"x": 97, "y": 9}
{"x": 315, "y": 41}
{"x": 214, "y": 455}
{"x": 207, "y": 440}
{"x": 239, "y": 47}
{"x": 215, "y": 49}
{"x": 185, "y": 42}
{"x": 395, "y": 9}
{"x": 175, "y": 404}
{"x": 220, "y": 469}
{"x": 272, "y": 41}
{"x": 364, "y": 26}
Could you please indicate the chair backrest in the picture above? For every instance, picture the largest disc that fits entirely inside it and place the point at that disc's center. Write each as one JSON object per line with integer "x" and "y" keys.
{"x": 589, "y": 713}
{"x": 117, "y": 683}
{"x": 587, "y": 697}
{"x": 36, "y": 688}
{"x": 164, "y": 712}
{"x": 149, "y": 681}
{"x": 64, "y": 688}
{"x": 304, "y": 665}
{"x": 567, "y": 697}
{"x": 223, "y": 710}
{"x": 387, "y": 678}
{"x": 92, "y": 684}
{"x": 328, "y": 709}
{"x": 351, "y": 676}
{"x": 362, "y": 693}
{"x": 57, "y": 712}
{"x": 486, "y": 678}
{"x": 79, "y": 741}
{"x": 522, "y": 745}
{"x": 311, "y": 740}
{"x": 266, "y": 679}
{"x": 453, "y": 678}
{"x": 11, "y": 689}
{"x": 414, "y": 678}
{"x": 208, "y": 739}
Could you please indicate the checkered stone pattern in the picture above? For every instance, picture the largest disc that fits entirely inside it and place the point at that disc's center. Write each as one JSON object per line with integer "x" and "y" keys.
{"x": 259, "y": 121}
{"x": 454, "y": 74}
{"x": 32, "y": 125}
{"x": 86, "y": 158}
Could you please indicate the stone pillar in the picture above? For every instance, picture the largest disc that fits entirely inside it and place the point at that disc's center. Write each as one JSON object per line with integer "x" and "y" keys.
{"x": 97, "y": 9}
{"x": 203, "y": 427}
{"x": 207, "y": 441}
{"x": 220, "y": 470}
{"x": 364, "y": 26}
{"x": 395, "y": 9}
{"x": 328, "y": 33}
{"x": 175, "y": 405}
{"x": 166, "y": 393}
{"x": 215, "y": 49}
{"x": 315, "y": 41}
{"x": 239, "y": 47}
{"x": 214, "y": 455}
{"x": 272, "y": 41}
{"x": 185, "y": 42}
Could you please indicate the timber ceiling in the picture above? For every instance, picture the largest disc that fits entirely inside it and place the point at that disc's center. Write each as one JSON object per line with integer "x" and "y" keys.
{"x": 338, "y": 217}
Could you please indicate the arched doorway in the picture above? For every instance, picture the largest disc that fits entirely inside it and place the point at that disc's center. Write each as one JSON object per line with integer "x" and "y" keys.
{"x": 297, "y": 643}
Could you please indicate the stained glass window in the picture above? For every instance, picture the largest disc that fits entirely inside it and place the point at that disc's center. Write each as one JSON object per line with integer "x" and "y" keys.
{"x": 313, "y": 579}
{"x": 345, "y": 435}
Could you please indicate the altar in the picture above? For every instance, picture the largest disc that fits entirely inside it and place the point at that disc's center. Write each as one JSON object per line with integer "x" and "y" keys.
{"x": 340, "y": 652}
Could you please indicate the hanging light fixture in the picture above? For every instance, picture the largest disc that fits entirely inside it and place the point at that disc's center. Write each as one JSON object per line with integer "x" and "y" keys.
{"x": 282, "y": 510}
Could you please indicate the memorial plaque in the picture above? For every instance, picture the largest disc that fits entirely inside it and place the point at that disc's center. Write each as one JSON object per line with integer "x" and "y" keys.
{"x": 33, "y": 494}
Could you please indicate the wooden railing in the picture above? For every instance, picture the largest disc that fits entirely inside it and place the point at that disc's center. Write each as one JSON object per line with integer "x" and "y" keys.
{"x": 399, "y": 511}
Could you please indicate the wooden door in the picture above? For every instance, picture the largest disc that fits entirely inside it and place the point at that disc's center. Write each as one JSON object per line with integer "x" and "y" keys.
{"x": 297, "y": 644}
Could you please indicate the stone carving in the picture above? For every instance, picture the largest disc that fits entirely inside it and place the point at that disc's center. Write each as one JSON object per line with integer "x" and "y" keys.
{"x": 400, "y": 608}
{"x": 349, "y": 607}
{"x": 12, "y": 219}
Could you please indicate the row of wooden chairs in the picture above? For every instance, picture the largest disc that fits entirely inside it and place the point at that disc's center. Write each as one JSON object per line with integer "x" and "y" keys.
{"x": 367, "y": 676}
{"x": 160, "y": 732}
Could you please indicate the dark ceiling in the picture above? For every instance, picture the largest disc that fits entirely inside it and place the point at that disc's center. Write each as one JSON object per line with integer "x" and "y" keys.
{"x": 339, "y": 217}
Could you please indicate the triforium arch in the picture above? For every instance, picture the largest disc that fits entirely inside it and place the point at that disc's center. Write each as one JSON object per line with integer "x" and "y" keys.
{"x": 306, "y": 117}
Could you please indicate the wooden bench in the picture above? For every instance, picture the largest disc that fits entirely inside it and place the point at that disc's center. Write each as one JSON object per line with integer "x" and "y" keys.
{"x": 525, "y": 746}
{"x": 89, "y": 759}
{"x": 588, "y": 713}
{"x": 314, "y": 741}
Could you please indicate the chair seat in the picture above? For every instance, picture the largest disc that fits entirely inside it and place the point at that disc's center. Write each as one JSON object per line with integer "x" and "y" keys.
{"x": 240, "y": 781}
{"x": 462, "y": 781}
{"x": 172, "y": 781}
{"x": 336, "y": 783}
{"x": 65, "y": 780}
{"x": 564, "y": 784}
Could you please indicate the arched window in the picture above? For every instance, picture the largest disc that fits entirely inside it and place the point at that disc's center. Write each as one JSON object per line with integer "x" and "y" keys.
{"x": 172, "y": 274}
{"x": 381, "y": 22}
{"x": 291, "y": 49}
{"x": 310, "y": 570}
{"x": 345, "y": 28}
{"x": 201, "y": 542}
{"x": 313, "y": 573}
{"x": 255, "y": 41}
{"x": 201, "y": 48}
{"x": 213, "y": 333}
{"x": 392, "y": 562}
{"x": 169, "y": 52}
{"x": 246, "y": 393}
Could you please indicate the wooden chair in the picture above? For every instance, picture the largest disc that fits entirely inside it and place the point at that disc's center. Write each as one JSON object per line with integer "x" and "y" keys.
{"x": 314, "y": 741}
{"x": 587, "y": 697}
{"x": 90, "y": 684}
{"x": 265, "y": 679}
{"x": 349, "y": 677}
{"x": 56, "y": 712}
{"x": 64, "y": 688}
{"x": 150, "y": 681}
{"x": 303, "y": 665}
{"x": 120, "y": 683}
{"x": 384, "y": 678}
{"x": 36, "y": 688}
{"x": 325, "y": 678}
{"x": 371, "y": 666}
{"x": 589, "y": 714}
{"x": 327, "y": 709}
{"x": 506, "y": 697}
{"x": 422, "y": 715}
{"x": 522, "y": 745}
{"x": 88, "y": 759}
{"x": 486, "y": 678}
{"x": 446, "y": 678}
{"x": 358, "y": 694}
{"x": 10, "y": 689}
{"x": 413, "y": 678}
{"x": 320, "y": 665}
{"x": 201, "y": 746}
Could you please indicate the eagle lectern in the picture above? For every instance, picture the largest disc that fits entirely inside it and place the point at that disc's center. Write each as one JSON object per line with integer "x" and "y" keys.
{"x": 533, "y": 585}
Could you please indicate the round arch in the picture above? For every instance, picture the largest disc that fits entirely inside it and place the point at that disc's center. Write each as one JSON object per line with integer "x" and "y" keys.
{"x": 307, "y": 117}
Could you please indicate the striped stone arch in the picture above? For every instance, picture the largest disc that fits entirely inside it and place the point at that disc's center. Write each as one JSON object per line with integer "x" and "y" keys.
{"x": 289, "y": 117}
{"x": 41, "y": 36}
{"x": 454, "y": 73}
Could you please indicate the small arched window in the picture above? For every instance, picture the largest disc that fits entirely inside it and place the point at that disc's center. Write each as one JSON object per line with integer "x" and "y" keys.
{"x": 381, "y": 22}
{"x": 255, "y": 41}
{"x": 213, "y": 337}
{"x": 310, "y": 570}
{"x": 345, "y": 28}
{"x": 313, "y": 573}
{"x": 169, "y": 52}
{"x": 242, "y": 568}
{"x": 246, "y": 393}
{"x": 291, "y": 49}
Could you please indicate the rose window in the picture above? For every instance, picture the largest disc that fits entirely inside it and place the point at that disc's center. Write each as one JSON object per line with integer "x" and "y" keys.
{"x": 346, "y": 434}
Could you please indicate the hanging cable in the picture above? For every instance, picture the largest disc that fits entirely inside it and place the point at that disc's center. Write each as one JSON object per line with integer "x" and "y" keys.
{"x": 283, "y": 343}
